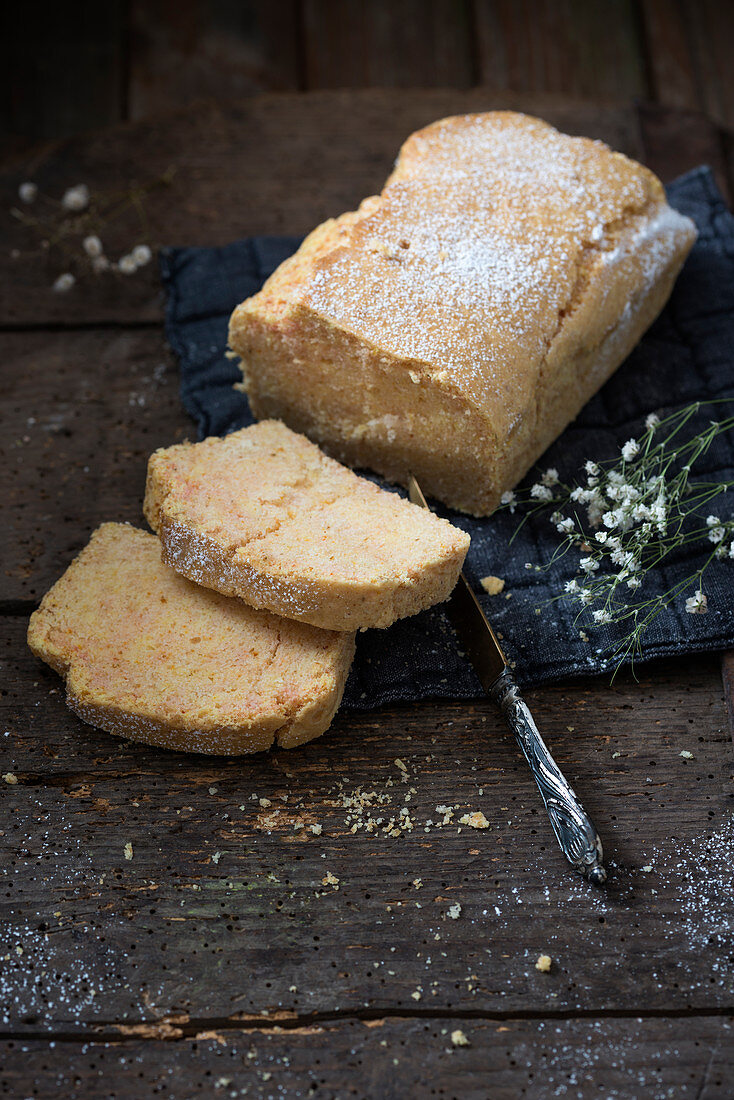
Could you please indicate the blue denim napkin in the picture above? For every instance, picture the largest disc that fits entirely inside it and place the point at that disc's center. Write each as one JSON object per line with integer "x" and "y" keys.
{"x": 687, "y": 355}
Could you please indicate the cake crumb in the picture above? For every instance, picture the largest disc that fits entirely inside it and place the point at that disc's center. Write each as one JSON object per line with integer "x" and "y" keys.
{"x": 128, "y": 850}
{"x": 543, "y": 964}
{"x": 476, "y": 820}
{"x": 492, "y": 585}
{"x": 330, "y": 880}
{"x": 265, "y": 802}
{"x": 417, "y": 995}
{"x": 455, "y": 911}
{"x": 10, "y": 778}
{"x": 459, "y": 1039}
{"x": 686, "y": 754}
{"x": 417, "y": 882}
{"x": 315, "y": 829}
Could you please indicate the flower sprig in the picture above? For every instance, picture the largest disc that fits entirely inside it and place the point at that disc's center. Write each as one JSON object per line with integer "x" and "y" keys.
{"x": 629, "y": 514}
{"x": 73, "y": 224}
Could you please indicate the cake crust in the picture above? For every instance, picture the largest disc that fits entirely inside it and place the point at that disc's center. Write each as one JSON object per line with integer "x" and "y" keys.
{"x": 264, "y": 515}
{"x": 151, "y": 657}
{"x": 453, "y": 325}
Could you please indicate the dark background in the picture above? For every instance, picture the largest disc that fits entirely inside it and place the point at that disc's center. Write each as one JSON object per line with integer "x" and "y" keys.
{"x": 68, "y": 67}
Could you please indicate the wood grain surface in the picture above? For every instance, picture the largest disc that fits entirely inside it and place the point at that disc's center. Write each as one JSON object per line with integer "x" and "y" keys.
{"x": 216, "y": 960}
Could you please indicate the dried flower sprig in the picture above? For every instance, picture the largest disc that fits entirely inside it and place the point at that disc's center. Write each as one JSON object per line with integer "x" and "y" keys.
{"x": 75, "y": 224}
{"x": 638, "y": 508}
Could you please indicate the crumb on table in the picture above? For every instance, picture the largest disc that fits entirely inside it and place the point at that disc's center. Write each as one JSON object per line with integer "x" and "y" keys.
{"x": 492, "y": 585}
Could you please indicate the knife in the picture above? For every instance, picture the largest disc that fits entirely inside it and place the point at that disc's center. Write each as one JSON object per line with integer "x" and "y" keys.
{"x": 575, "y": 832}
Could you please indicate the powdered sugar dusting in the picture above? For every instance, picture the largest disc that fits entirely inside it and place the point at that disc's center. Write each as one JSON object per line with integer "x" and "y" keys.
{"x": 475, "y": 247}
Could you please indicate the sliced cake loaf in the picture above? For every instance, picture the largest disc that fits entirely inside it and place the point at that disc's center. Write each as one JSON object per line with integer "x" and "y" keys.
{"x": 264, "y": 515}
{"x": 454, "y": 325}
{"x": 150, "y": 656}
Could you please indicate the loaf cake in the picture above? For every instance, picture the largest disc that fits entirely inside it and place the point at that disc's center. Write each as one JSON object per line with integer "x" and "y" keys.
{"x": 150, "y": 656}
{"x": 453, "y": 325}
{"x": 263, "y": 514}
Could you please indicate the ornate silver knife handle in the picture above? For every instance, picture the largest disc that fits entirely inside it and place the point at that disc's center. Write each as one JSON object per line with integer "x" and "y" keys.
{"x": 574, "y": 830}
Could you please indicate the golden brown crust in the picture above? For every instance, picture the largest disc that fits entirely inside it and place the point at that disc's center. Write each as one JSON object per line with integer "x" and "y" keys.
{"x": 264, "y": 515}
{"x": 453, "y": 325}
{"x": 149, "y": 656}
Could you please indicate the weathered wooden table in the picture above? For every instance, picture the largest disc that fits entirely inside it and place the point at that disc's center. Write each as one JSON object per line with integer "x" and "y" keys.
{"x": 217, "y": 961}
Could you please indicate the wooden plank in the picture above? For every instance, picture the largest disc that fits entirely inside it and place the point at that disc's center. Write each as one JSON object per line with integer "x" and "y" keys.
{"x": 184, "y": 51}
{"x": 393, "y": 1059}
{"x": 82, "y": 411}
{"x": 585, "y": 48}
{"x": 273, "y": 164}
{"x": 222, "y": 914}
{"x": 673, "y": 77}
{"x": 403, "y": 44}
{"x": 678, "y": 141}
{"x": 62, "y": 70}
{"x": 690, "y": 45}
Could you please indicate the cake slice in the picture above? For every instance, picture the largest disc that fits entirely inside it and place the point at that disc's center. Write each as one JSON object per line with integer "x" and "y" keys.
{"x": 264, "y": 515}
{"x": 454, "y": 324}
{"x": 150, "y": 656}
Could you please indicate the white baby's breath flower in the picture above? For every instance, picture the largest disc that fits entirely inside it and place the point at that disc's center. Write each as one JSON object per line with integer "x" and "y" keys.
{"x": 509, "y": 500}
{"x": 659, "y": 513}
{"x": 92, "y": 245}
{"x": 592, "y": 482}
{"x": 76, "y": 198}
{"x": 550, "y": 477}
{"x": 564, "y": 526}
{"x": 28, "y": 192}
{"x": 541, "y": 492}
{"x": 609, "y": 519}
{"x": 716, "y": 534}
{"x": 586, "y": 596}
{"x": 602, "y": 616}
{"x": 127, "y": 264}
{"x": 63, "y": 283}
{"x": 634, "y": 582}
{"x": 731, "y": 550}
{"x": 588, "y": 565}
{"x": 615, "y": 478}
{"x": 602, "y": 537}
{"x": 630, "y": 449}
{"x": 591, "y": 468}
{"x": 712, "y": 521}
{"x": 142, "y": 254}
{"x": 697, "y": 605}
{"x": 652, "y": 421}
{"x": 721, "y": 551}
{"x": 571, "y": 586}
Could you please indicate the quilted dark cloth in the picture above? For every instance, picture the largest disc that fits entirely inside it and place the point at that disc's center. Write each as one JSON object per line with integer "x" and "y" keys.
{"x": 687, "y": 356}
